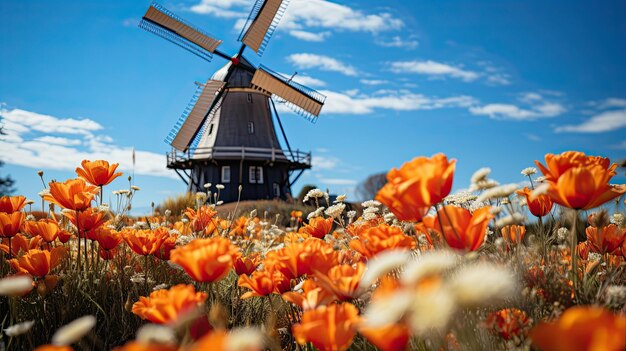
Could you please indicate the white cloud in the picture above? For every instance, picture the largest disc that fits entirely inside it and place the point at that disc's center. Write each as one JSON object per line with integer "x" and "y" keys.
{"x": 620, "y": 146}
{"x": 33, "y": 141}
{"x": 612, "y": 103}
{"x": 433, "y": 69}
{"x": 603, "y": 122}
{"x": 302, "y": 14}
{"x": 514, "y": 112}
{"x": 341, "y": 103}
{"x": 337, "y": 181}
{"x": 309, "y": 81}
{"x": 498, "y": 79}
{"x": 398, "y": 42}
{"x": 310, "y": 36}
{"x": 374, "y": 81}
{"x": 324, "y": 63}
{"x": 324, "y": 162}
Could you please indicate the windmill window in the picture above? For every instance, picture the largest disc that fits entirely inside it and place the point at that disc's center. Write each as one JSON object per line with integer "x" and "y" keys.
{"x": 249, "y": 98}
{"x": 255, "y": 174}
{"x": 250, "y": 127}
{"x": 276, "y": 190}
{"x": 211, "y": 129}
{"x": 225, "y": 174}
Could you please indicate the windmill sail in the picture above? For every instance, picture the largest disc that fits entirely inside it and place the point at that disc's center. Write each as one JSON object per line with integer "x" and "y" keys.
{"x": 189, "y": 123}
{"x": 164, "y": 23}
{"x": 301, "y": 99}
{"x": 262, "y": 23}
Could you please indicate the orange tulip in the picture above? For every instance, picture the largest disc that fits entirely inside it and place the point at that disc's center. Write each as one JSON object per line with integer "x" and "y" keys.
{"x": 328, "y": 328}
{"x": 578, "y": 181}
{"x": 10, "y": 204}
{"x": 206, "y": 260}
{"x": 108, "y": 239}
{"x": 310, "y": 297}
{"x": 201, "y": 219}
{"x": 461, "y": 229}
{"x": 247, "y": 264}
{"x": 260, "y": 282}
{"x": 143, "y": 242}
{"x": 607, "y": 239}
{"x": 342, "y": 280}
{"x": 318, "y": 227}
{"x": 10, "y": 224}
{"x": 39, "y": 263}
{"x": 64, "y": 236}
{"x": 88, "y": 221}
{"x": 513, "y": 233}
{"x": 48, "y": 229}
{"x": 375, "y": 240}
{"x": 509, "y": 323}
{"x": 167, "y": 306}
{"x": 582, "y": 328}
{"x": 98, "y": 173}
{"x": 540, "y": 205}
{"x": 391, "y": 337}
{"x": 417, "y": 185}
{"x": 73, "y": 194}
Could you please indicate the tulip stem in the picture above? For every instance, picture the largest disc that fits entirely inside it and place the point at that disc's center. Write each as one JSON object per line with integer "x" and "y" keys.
{"x": 78, "y": 236}
{"x": 145, "y": 272}
{"x": 574, "y": 253}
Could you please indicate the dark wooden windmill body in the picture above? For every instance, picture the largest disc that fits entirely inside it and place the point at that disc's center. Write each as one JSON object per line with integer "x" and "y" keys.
{"x": 227, "y": 134}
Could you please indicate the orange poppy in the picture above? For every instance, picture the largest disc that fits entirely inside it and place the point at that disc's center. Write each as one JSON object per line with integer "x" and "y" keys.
{"x": 417, "y": 185}
{"x": 462, "y": 229}
{"x": 10, "y": 204}
{"x": 297, "y": 259}
{"x": 201, "y": 219}
{"x": 169, "y": 243}
{"x": 539, "y": 205}
{"x": 167, "y": 306}
{"x": 375, "y": 240}
{"x": 260, "y": 283}
{"x": 206, "y": 260}
{"x": 509, "y": 323}
{"x": 88, "y": 221}
{"x": 108, "y": 239}
{"x": 11, "y": 224}
{"x": 513, "y": 233}
{"x": 20, "y": 243}
{"x": 342, "y": 280}
{"x": 107, "y": 254}
{"x": 53, "y": 348}
{"x": 247, "y": 264}
{"x": 73, "y": 194}
{"x": 578, "y": 181}
{"x": 391, "y": 337}
{"x": 145, "y": 346}
{"x": 240, "y": 226}
{"x": 318, "y": 227}
{"x": 582, "y": 328}
{"x": 328, "y": 328}
{"x": 38, "y": 263}
{"x": 215, "y": 340}
{"x": 607, "y": 239}
{"x": 64, "y": 236}
{"x": 310, "y": 297}
{"x": 48, "y": 229}
{"x": 98, "y": 172}
{"x": 143, "y": 242}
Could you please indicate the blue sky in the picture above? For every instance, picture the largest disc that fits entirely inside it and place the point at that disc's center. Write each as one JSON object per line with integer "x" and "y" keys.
{"x": 490, "y": 83}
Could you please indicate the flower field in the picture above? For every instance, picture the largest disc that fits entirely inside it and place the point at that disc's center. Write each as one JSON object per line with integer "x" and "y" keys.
{"x": 495, "y": 267}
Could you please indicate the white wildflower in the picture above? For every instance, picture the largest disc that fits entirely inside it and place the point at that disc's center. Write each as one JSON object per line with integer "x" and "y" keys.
{"x": 201, "y": 196}
{"x": 371, "y": 203}
{"x": 539, "y": 190}
{"x": 428, "y": 264}
{"x": 528, "y": 171}
{"x": 461, "y": 197}
{"x": 207, "y": 185}
{"x": 44, "y": 192}
{"x": 340, "y": 198}
{"x": 243, "y": 339}
{"x": 74, "y": 331}
{"x": 594, "y": 256}
{"x": 480, "y": 175}
{"x": 155, "y": 333}
{"x": 431, "y": 311}
{"x": 616, "y": 295}
{"x": 336, "y": 210}
{"x": 540, "y": 179}
{"x": 515, "y": 218}
{"x": 389, "y": 217}
{"x": 136, "y": 188}
{"x": 497, "y": 192}
{"x": 482, "y": 283}
{"x": 382, "y": 264}
{"x": 484, "y": 185}
{"x": 316, "y": 213}
{"x": 103, "y": 208}
{"x": 314, "y": 194}
{"x": 351, "y": 214}
{"x": 30, "y": 218}
{"x": 29, "y": 202}
{"x": 219, "y": 203}
{"x": 368, "y": 216}
{"x": 617, "y": 219}
{"x": 370, "y": 210}
{"x": 19, "y": 329}
{"x": 123, "y": 191}
{"x": 562, "y": 234}
{"x": 253, "y": 213}
{"x": 16, "y": 285}
{"x": 219, "y": 186}
{"x": 388, "y": 309}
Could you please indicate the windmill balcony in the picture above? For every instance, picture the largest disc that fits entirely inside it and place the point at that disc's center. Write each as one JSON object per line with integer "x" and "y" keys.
{"x": 185, "y": 160}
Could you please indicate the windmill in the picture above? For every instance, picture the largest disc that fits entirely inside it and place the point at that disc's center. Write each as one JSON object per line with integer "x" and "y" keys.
{"x": 226, "y": 134}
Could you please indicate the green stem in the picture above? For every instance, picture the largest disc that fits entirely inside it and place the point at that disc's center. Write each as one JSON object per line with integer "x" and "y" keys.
{"x": 574, "y": 253}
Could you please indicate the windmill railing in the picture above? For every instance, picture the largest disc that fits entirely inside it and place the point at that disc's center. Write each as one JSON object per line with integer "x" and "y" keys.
{"x": 176, "y": 158}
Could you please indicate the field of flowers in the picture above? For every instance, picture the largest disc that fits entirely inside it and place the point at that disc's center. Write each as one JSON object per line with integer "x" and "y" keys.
{"x": 492, "y": 268}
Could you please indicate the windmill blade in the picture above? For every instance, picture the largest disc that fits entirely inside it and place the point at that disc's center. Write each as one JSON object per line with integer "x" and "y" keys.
{"x": 167, "y": 25}
{"x": 190, "y": 121}
{"x": 261, "y": 23}
{"x": 301, "y": 99}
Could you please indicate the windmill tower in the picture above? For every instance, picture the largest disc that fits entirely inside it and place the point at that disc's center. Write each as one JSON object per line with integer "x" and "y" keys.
{"x": 227, "y": 133}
